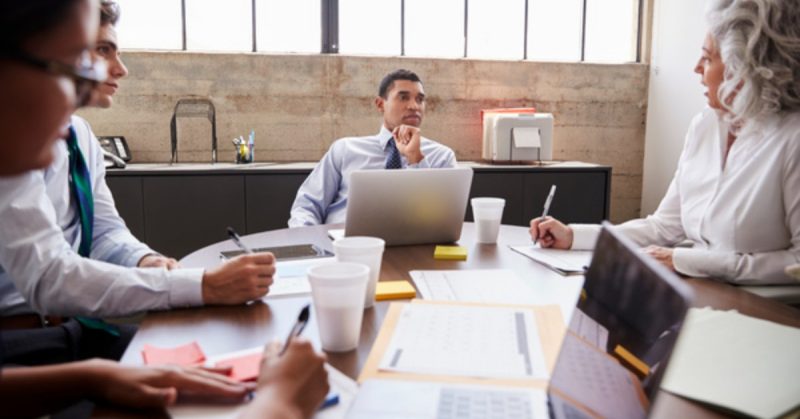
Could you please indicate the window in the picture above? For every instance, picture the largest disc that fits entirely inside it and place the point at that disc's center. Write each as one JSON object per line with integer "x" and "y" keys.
{"x": 153, "y": 24}
{"x": 434, "y": 28}
{"x": 369, "y": 27}
{"x": 611, "y": 27}
{"x": 543, "y": 30}
{"x": 288, "y": 26}
{"x": 495, "y": 29}
{"x": 213, "y": 25}
{"x": 554, "y": 30}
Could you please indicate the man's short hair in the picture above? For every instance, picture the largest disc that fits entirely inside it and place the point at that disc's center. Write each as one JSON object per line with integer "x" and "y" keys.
{"x": 109, "y": 13}
{"x": 389, "y": 79}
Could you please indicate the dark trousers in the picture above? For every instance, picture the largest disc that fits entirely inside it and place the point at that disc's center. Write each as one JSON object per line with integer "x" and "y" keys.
{"x": 68, "y": 342}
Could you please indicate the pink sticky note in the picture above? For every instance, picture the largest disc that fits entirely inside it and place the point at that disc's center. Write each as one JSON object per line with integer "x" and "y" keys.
{"x": 245, "y": 368}
{"x": 184, "y": 355}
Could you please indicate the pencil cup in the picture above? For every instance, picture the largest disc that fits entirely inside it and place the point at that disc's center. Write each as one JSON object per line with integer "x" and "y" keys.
{"x": 366, "y": 250}
{"x": 337, "y": 290}
{"x": 487, "y": 213}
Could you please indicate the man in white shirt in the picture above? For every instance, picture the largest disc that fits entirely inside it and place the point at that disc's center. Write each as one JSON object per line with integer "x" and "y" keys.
{"x": 42, "y": 237}
{"x": 322, "y": 198}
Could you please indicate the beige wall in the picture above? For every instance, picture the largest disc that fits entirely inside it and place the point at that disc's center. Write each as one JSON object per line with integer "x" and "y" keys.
{"x": 299, "y": 104}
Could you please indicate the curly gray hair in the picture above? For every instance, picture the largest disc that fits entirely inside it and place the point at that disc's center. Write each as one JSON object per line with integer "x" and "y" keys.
{"x": 759, "y": 42}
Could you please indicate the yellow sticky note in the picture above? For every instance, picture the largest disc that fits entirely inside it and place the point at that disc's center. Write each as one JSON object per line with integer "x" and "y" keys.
{"x": 394, "y": 290}
{"x": 632, "y": 361}
{"x": 450, "y": 253}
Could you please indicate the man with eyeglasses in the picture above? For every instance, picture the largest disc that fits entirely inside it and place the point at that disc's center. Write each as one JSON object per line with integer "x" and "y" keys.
{"x": 64, "y": 250}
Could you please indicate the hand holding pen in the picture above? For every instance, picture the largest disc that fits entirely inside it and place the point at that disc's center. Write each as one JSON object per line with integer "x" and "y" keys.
{"x": 547, "y": 203}
{"x": 549, "y": 232}
{"x": 293, "y": 375}
{"x": 239, "y": 280}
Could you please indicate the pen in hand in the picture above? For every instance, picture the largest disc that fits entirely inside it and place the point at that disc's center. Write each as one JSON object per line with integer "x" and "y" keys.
{"x": 238, "y": 240}
{"x": 299, "y": 325}
{"x": 547, "y": 203}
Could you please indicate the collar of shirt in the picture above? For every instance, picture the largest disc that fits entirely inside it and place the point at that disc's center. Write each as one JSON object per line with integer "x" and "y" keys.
{"x": 384, "y": 135}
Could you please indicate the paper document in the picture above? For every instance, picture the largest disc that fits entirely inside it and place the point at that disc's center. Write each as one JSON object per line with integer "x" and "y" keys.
{"x": 391, "y": 399}
{"x": 499, "y": 286}
{"x": 290, "y": 276}
{"x": 471, "y": 341}
{"x": 526, "y": 137}
{"x": 565, "y": 262}
{"x": 340, "y": 384}
{"x": 737, "y": 362}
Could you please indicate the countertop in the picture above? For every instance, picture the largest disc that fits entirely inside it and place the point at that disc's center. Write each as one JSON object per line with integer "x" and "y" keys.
{"x": 140, "y": 169}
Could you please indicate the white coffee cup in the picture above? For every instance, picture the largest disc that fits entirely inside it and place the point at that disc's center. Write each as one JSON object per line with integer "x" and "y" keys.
{"x": 487, "y": 213}
{"x": 337, "y": 290}
{"x": 366, "y": 250}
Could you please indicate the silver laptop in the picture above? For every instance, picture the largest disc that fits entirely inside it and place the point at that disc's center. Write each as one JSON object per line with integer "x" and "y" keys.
{"x": 415, "y": 206}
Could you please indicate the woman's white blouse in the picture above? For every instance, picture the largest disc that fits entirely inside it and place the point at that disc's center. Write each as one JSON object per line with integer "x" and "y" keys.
{"x": 743, "y": 215}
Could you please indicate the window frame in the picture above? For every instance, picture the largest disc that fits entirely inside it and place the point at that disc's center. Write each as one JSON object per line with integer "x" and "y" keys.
{"x": 329, "y": 21}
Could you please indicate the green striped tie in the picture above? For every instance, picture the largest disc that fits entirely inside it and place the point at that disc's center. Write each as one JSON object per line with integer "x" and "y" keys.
{"x": 80, "y": 185}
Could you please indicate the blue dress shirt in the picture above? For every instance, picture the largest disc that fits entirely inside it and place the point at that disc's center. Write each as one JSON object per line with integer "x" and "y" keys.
{"x": 322, "y": 198}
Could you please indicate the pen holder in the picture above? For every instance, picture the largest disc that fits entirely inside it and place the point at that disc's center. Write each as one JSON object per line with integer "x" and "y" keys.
{"x": 244, "y": 154}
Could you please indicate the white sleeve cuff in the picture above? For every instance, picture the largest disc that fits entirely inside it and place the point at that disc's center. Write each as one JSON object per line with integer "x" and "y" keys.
{"x": 422, "y": 164}
{"x": 132, "y": 261}
{"x": 584, "y": 236}
{"x": 186, "y": 287}
{"x": 700, "y": 263}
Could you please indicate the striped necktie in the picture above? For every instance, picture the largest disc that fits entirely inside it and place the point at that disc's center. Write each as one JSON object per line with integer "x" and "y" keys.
{"x": 80, "y": 185}
{"x": 393, "y": 160}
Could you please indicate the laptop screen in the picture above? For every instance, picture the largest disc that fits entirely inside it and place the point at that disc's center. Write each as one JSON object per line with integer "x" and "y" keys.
{"x": 621, "y": 334}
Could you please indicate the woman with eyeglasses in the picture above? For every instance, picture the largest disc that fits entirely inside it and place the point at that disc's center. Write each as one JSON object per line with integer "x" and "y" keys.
{"x": 736, "y": 191}
{"x": 45, "y": 73}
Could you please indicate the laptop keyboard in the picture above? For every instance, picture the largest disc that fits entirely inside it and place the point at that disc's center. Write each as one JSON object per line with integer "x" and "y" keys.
{"x": 471, "y": 404}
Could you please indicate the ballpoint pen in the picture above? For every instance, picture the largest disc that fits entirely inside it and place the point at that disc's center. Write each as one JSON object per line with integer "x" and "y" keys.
{"x": 298, "y": 327}
{"x": 546, "y": 207}
{"x": 238, "y": 240}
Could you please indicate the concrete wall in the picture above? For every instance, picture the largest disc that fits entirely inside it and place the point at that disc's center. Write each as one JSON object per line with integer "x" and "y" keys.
{"x": 675, "y": 92}
{"x": 299, "y": 104}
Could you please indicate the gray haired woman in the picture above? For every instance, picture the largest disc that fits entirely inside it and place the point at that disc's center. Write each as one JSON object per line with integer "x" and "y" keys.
{"x": 736, "y": 191}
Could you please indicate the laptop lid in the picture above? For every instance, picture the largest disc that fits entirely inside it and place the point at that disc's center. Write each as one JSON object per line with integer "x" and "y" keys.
{"x": 414, "y": 206}
{"x": 621, "y": 335}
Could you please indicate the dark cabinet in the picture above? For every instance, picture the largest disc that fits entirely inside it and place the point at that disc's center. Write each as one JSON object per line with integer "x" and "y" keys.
{"x": 270, "y": 198}
{"x": 185, "y": 213}
{"x": 129, "y": 199}
{"x": 179, "y": 211}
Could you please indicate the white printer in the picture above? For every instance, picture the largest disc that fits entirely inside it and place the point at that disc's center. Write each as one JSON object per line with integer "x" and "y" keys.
{"x": 517, "y": 137}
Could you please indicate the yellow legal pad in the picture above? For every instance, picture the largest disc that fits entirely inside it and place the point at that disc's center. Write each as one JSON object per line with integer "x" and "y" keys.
{"x": 394, "y": 290}
{"x": 450, "y": 253}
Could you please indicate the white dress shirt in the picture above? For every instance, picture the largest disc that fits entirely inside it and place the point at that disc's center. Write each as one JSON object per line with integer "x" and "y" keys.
{"x": 743, "y": 215}
{"x": 322, "y": 198}
{"x": 40, "y": 231}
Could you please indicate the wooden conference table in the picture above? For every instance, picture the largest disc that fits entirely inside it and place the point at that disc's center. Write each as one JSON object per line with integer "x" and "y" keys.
{"x": 221, "y": 330}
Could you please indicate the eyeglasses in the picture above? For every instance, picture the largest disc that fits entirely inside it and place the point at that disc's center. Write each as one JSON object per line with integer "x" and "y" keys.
{"x": 85, "y": 76}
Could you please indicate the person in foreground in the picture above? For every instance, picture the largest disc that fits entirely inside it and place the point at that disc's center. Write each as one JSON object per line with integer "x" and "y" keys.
{"x": 322, "y": 198}
{"x": 61, "y": 272}
{"x": 45, "y": 72}
{"x": 84, "y": 261}
{"x": 736, "y": 191}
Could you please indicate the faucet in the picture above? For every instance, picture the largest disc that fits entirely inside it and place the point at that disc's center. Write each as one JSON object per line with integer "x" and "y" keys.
{"x": 193, "y": 107}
